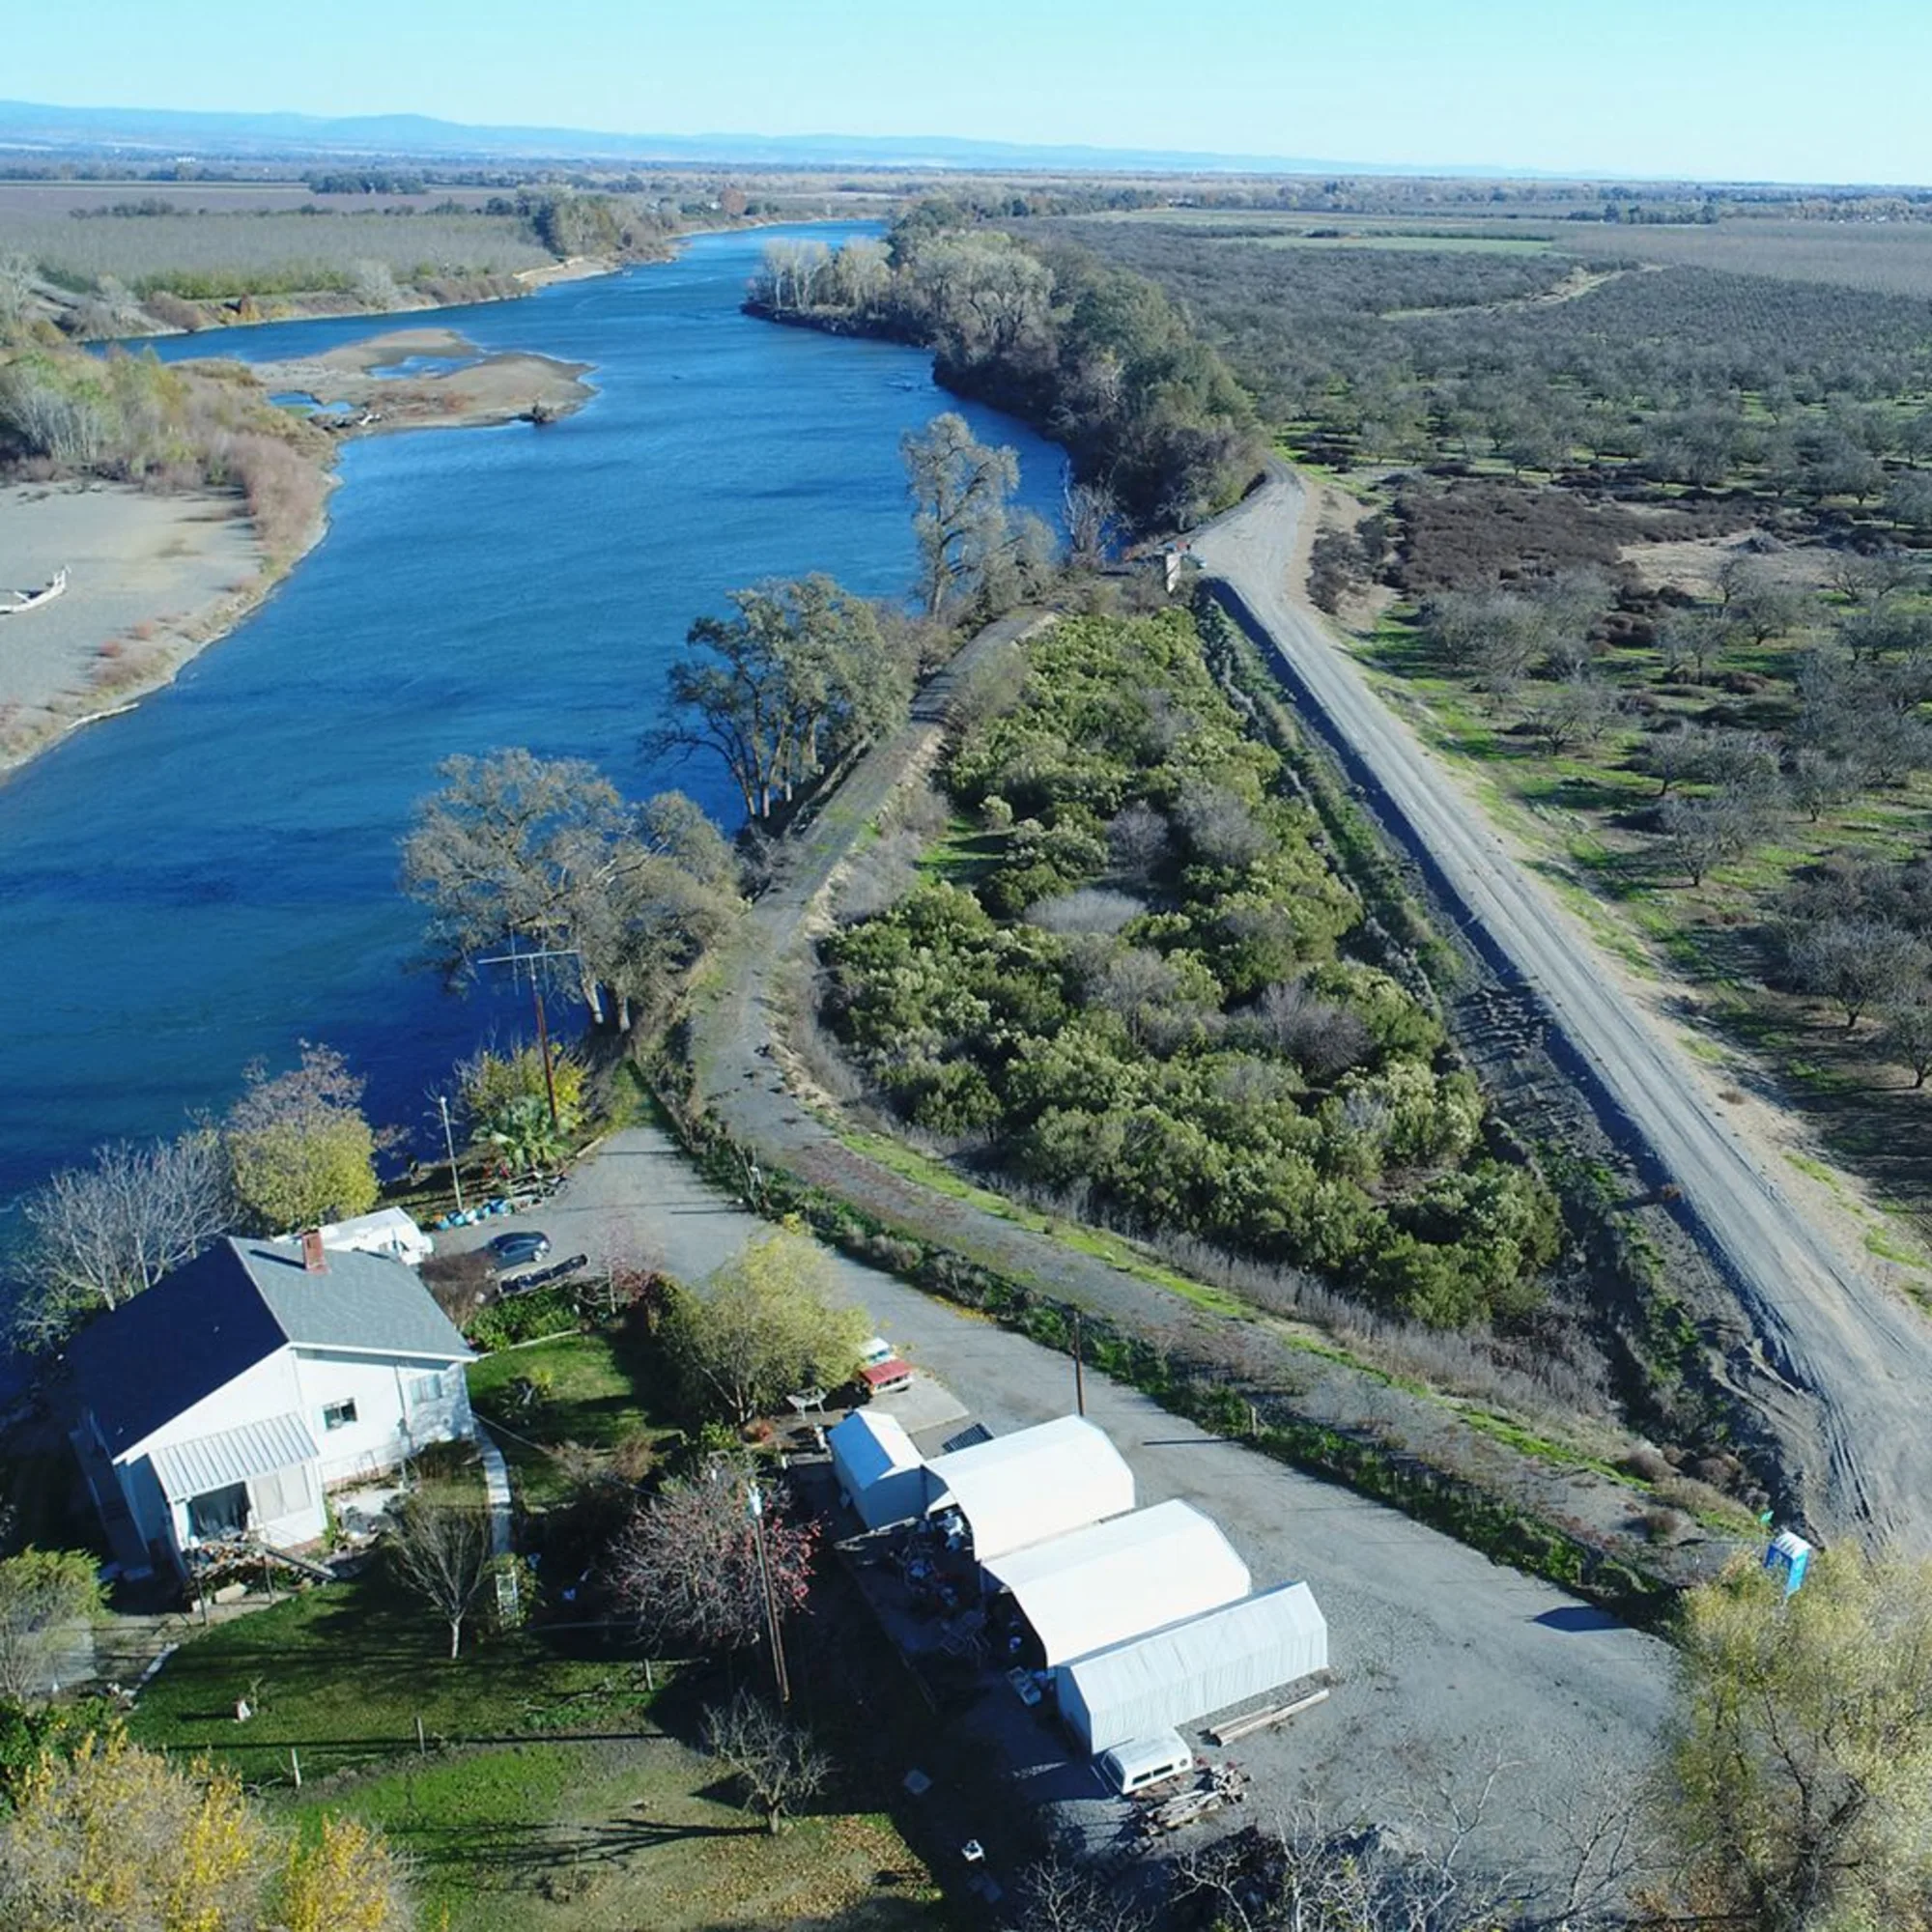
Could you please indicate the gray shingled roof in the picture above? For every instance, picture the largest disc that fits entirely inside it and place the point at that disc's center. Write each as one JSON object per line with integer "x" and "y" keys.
{"x": 233, "y": 1306}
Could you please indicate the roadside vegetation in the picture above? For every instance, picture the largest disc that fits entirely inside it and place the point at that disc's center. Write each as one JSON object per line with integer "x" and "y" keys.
{"x": 1130, "y": 986}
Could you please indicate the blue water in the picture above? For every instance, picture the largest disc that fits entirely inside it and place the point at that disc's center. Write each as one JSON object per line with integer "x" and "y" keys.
{"x": 212, "y": 878}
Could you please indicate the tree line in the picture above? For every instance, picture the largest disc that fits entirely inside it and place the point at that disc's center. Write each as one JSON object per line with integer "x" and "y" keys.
{"x": 1099, "y": 358}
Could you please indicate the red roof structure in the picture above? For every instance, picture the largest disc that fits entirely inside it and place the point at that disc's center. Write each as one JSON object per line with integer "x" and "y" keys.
{"x": 891, "y": 1373}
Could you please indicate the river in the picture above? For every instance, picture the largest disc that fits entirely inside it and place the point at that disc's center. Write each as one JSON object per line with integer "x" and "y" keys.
{"x": 212, "y": 878}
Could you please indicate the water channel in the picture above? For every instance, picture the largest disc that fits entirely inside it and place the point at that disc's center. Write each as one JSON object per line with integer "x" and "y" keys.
{"x": 211, "y": 877}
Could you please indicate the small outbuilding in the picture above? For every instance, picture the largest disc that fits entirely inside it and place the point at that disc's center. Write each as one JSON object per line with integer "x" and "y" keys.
{"x": 877, "y": 1467}
{"x": 1114, "y": 1580}
{"x": 1039, "y": 1483}
{"x": 1176, "y": 1677}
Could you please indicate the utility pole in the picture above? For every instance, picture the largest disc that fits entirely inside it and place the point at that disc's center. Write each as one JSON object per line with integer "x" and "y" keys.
{"x": 754, "y": 1506}
{"x": 1079, "y": 1369}
{"x": 513, "y": 959}
{"x": 449, "y": 1141}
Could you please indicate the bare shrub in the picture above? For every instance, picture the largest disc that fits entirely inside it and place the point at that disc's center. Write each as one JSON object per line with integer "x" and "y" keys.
{"x": 1221, "y": 828}
{"x": 1091, "y": 909}
{"x": 1325, "y": 1039}
{"x": 880, "y": 874}
{"x": 1137, "y": 839}
{"x": 285, "y": 491}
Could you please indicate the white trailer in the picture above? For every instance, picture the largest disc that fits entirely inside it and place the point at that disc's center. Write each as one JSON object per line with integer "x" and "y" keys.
{"x": 389, "y": 1231}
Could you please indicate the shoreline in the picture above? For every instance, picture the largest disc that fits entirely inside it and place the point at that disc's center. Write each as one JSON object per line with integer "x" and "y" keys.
{"x": 157, "y": 579}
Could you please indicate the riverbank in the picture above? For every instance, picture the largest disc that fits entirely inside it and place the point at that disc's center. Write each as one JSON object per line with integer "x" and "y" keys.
{"x": 154, "y": 579}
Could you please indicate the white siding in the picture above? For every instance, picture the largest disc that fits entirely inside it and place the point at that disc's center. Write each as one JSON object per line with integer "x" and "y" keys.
{"x": 878, "y": 1468}
{"x": 1114, "y": 1580}
{"x": 1177, "y": 1676}
{"x": 395, "y": 1415}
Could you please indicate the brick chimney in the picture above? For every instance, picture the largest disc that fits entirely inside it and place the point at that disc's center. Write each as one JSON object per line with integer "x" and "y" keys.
{"x": 315, "y": 1256}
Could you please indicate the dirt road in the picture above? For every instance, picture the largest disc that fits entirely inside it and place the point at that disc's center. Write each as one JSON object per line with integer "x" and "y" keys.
{"x": 1839, "y": 1366}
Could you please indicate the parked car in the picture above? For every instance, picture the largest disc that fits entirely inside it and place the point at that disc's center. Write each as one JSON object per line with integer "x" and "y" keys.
{"x": 519, "y": 1248}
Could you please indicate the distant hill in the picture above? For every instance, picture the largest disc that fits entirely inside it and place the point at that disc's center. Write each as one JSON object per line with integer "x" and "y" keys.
{"x": 149, "y": 134}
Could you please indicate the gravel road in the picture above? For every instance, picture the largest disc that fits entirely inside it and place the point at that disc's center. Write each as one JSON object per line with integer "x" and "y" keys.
{"x": 1447, "y": 1664}
{"x": 1837, "y": 1365}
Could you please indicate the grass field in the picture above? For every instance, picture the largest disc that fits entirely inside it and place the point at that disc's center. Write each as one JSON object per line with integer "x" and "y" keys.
{"x": 557, "y": 1790}
{"x": 573, "y": 1388}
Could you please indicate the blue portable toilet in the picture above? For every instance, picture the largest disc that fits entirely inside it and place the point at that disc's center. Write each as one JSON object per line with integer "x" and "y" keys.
{"x": 1790, "y": 1554}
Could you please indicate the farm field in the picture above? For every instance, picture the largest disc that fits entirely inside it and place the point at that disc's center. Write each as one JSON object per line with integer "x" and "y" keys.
{"x": 264, "y": 252}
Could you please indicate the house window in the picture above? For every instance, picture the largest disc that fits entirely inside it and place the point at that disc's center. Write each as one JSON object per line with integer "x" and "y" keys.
{"x": 338, "y": 1414}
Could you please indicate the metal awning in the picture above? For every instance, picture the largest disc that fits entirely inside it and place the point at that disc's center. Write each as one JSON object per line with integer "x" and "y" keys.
{"x": 205, "y": 1462}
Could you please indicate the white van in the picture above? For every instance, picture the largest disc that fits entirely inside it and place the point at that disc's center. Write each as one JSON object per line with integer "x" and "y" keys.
{"x": 1144, "y": 1761}
{"x": 389, "y": 1231}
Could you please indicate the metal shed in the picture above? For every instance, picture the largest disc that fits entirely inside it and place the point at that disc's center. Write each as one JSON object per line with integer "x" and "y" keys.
{"x": 1037, "y": 1483}
{"x": 1177, "y": 1676}
{"x": 877, "y": 1467}
{"x": 1113, "y": 1580}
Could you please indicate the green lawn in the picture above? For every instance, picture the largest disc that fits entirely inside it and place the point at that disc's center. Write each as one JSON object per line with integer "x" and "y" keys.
{"x": 585, "y": 1390}
{"x": 551, "y": 1793}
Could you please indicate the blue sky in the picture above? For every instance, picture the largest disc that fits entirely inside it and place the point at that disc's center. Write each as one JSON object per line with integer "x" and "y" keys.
{"x": 1731, "y": 89}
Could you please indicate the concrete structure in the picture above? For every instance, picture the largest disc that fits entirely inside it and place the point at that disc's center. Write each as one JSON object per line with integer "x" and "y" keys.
{"x": 229, "y": 1397}
{"x": 1177, "y": 1676}
{"x": 1031, "y": 1486}
{"x": 877, "y": 1467}
{"x": 1114, "y": 1580}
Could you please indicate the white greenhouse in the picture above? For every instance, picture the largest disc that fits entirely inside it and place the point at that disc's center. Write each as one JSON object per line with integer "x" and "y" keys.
{"x": 1177, "y": 1676}
{"x": 1113, "y": 1580}
{"x": 877, "y": 1467}
{"x": 1031, "y": 1486}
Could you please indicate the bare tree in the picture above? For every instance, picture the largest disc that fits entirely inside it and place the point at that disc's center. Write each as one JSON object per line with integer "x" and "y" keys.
{"x": 1092, "y": 514}
{"x": 1700, "y": 832}
{"x": 1906, "y": 1038}
{"x": 688, "y": 1571}
{"x": 441, "y": 1549}
{"x": 776, "y": 1761}
{"x": 1575, "y": 711}
{"x": 1137, "y": 841}
{"x": 102, "y": 1232}
{"x": 1061, "y": 1893}
{"x": 1325, "y": 1039}
{"x": 1858, "y": 963}
{"x": 959, "y": 488}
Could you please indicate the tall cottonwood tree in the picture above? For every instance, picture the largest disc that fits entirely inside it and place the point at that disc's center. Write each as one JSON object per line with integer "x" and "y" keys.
{"x": 1797, "y": 1784}
{"x": 960, "y": 489}
{"x": 761, "y": 1326}
{"x": 799, "y": 675}
{"x": 301, "y": 1150}
{"x": 544, "y": 854}
{"x": 113, "y": 1838}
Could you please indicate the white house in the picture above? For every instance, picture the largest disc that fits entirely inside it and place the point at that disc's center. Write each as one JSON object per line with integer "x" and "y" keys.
{"x": 231, "y": 1396}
